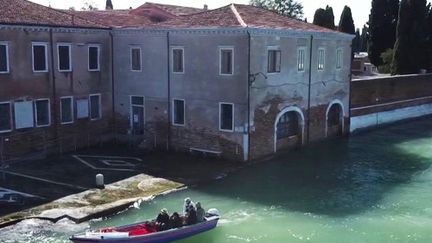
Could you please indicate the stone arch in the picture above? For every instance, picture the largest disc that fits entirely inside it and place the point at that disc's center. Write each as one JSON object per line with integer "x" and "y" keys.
{"x": 341, "y": 115}
{"x": 301, "y": 117}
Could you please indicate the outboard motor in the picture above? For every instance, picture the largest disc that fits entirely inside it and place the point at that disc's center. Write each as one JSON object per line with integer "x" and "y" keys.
{"x": 213, "y": 212}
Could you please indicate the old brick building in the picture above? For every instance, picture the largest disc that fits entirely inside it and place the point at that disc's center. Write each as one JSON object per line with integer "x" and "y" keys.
{"x": 238, "y": 80}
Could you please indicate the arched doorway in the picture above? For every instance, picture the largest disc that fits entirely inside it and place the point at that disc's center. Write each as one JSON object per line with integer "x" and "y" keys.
{"x": 335, "y": 119}
{"x": 289, "y": 128}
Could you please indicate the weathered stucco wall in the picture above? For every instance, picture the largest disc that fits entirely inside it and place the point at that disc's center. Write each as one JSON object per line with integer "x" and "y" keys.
{"x": 22, "y": 84}
{"x": 289, "y": 89}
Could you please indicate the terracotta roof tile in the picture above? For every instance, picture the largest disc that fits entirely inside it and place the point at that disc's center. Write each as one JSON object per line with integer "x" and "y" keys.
{"x": 171, "y": 9}
{"x": 114, "y": 18}
{"x": 25, "y": 12}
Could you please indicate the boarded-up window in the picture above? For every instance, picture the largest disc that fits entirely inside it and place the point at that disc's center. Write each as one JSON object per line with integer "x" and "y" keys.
{"x": 178, "y": 64}
{"x": 93, "y": 58}
{"x": 288, "y": 125}
{"x": 24, "y": 114}
{"x": 64, "y": 57}
{"x": 226, "y": 117}
{"x": 226, "y": 61}
{"x": 66, "y": 110}
{"x": 95, "y": 111}
{"x": 136, "y": 59}
{"x": 339, "y": 58}
{"x": 274, "y": 61}
{"x": 179, "y": 112}
{"x": 42, "y": 110}
{"x": 40, "y": 63}
{"x": 82, "y": 108}
{"x": 4, "y": 58}
{"x": 5, "y": 117}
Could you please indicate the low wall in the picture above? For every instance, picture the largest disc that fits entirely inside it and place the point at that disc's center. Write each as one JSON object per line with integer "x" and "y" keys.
{"x": 385, "y": 100}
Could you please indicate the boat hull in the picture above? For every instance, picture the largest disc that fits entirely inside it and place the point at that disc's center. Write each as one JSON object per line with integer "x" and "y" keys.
{"x": 158, "y": 237}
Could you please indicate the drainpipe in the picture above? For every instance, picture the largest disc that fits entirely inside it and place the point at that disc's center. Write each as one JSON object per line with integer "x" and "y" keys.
{"x": 169, "y": 91}
{"x": 112, "y": 84}
{"x": 309, "y": 90}
{"x": 249, "y": 84}
{"x": 350, "y": 94}
{"x": 54, "y": 92}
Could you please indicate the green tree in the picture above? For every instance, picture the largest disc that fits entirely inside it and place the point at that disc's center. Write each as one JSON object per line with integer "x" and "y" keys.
{"x": 109, "y": 5}
{"x": 324, "y": 17}
{"x": 291, "y": 8}
{"x": 364, "y": 39}
{"x": 382, "y": 28}
{"x": 356, "y": 41}
{"x": 411, "y": 42}
{"x": 346, "y": 23}
{"x": 89, "y": 6}
{"x": 387, "y": 58}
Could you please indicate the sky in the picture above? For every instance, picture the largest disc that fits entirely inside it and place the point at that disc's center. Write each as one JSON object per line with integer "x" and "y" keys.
{"x": 360, "y": 8}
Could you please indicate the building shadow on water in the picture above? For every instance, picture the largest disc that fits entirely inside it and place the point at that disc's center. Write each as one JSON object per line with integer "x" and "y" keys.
{"x": 336, "y": 178}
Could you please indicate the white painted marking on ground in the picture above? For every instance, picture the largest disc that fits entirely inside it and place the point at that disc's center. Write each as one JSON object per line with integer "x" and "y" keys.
{"x": 108, "y": 160}
{"x": 83, "y": 161}
{"x": 45, "y": 180}
{"x": 111, "y": 162}
{"x": 109, "y": 157}
{"x": 4, "y": 191}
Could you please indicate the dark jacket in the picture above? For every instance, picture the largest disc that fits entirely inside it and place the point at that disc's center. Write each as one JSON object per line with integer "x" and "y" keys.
{"x": 191, "y": 217}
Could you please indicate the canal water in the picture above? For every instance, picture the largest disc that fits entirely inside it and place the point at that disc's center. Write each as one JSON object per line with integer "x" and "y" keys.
{"x": 373, "y": 187}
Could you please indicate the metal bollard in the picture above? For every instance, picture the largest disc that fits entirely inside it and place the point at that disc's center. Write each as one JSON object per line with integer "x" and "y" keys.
{"x": 100, "y": 181}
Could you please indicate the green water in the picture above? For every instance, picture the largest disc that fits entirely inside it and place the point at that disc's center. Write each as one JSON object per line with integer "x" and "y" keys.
{"x": 374, "y": 187}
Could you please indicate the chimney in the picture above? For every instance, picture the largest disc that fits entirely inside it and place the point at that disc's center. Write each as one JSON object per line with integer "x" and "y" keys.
{"x": 205, "y": 7}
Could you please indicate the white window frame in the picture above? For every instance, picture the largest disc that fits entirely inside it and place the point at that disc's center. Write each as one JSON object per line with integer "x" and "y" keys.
{"x": 172, "y": 59}
{"x": 339, "y": 58}
{"x": 70, "y": 57}
{"x": 131, "y": 105}
{"x": 35, "y": 112}
{"x": 321, "y": 66}
{"x": 98, "y": 57}
{"x": 184, "y": 112}
{"x": 10, "y": 117}
{"x": 45, "y": 44}
{"x": 72, "y": 110}
{"x": 131, "y": 48}
{"x": 303, "y": 65}
{"x": 7, "y": 57}
{"x": 220, "y": 116}
{"x": 100, "y": 107}
{"x": 224, "y": 48}
{"x": 274, "y": 48}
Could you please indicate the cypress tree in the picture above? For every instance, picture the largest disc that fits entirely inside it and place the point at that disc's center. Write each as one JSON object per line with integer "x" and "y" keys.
{"x": 324, "y": 17}
{"x": 382, "y": 28}
{"x": 356, "y": 41}
{"x": 409, "y": 51}
{"x": 364, "y": 39}
{"x": 109, "y": 5}
{"x": 346, "y": 23}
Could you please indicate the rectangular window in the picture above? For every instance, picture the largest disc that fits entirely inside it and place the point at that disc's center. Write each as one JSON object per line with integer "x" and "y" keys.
{"x": 95, "y": 107}
{"x": 4, "y": 58}
{"x": 93, "y": 58}
{"x": 135, "y": 58}
{"x": 226, "y": 117}
{"x": 66, "y": 110}
{"x": 321, "y": 58}
{"x": 274, "y": 61}
{"x": 24, "y": 117}
{"x": 42, "y": 112}
{"x": 226, "y": 57}
{"x": 40, "y": 58}
{"x": 301, "y": 54}
{"x": 339, "y": 58}
{"x": 64, "y": 57}
{"x": 82, "y": 106}
{"x": 178, "y": 60}
{"x": 178, "y": 112}
{"x": 5, "y": 117}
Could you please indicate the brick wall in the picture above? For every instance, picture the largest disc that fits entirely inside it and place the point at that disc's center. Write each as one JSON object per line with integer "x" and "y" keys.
{"x": 390, "y": 93}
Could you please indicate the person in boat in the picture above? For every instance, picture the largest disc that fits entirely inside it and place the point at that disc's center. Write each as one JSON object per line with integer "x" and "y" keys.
{"x": 200, "y": 212}
{"x": 175, "y": 221}
{"x": 191, "y": 216}
{"x": 187, "y": 205}
{"x": 162, "y": 220}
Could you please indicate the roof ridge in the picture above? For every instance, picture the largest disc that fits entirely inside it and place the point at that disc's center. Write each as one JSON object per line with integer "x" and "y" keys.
{"x": 171, "y": 5}
{"x": 238, "y": 16}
